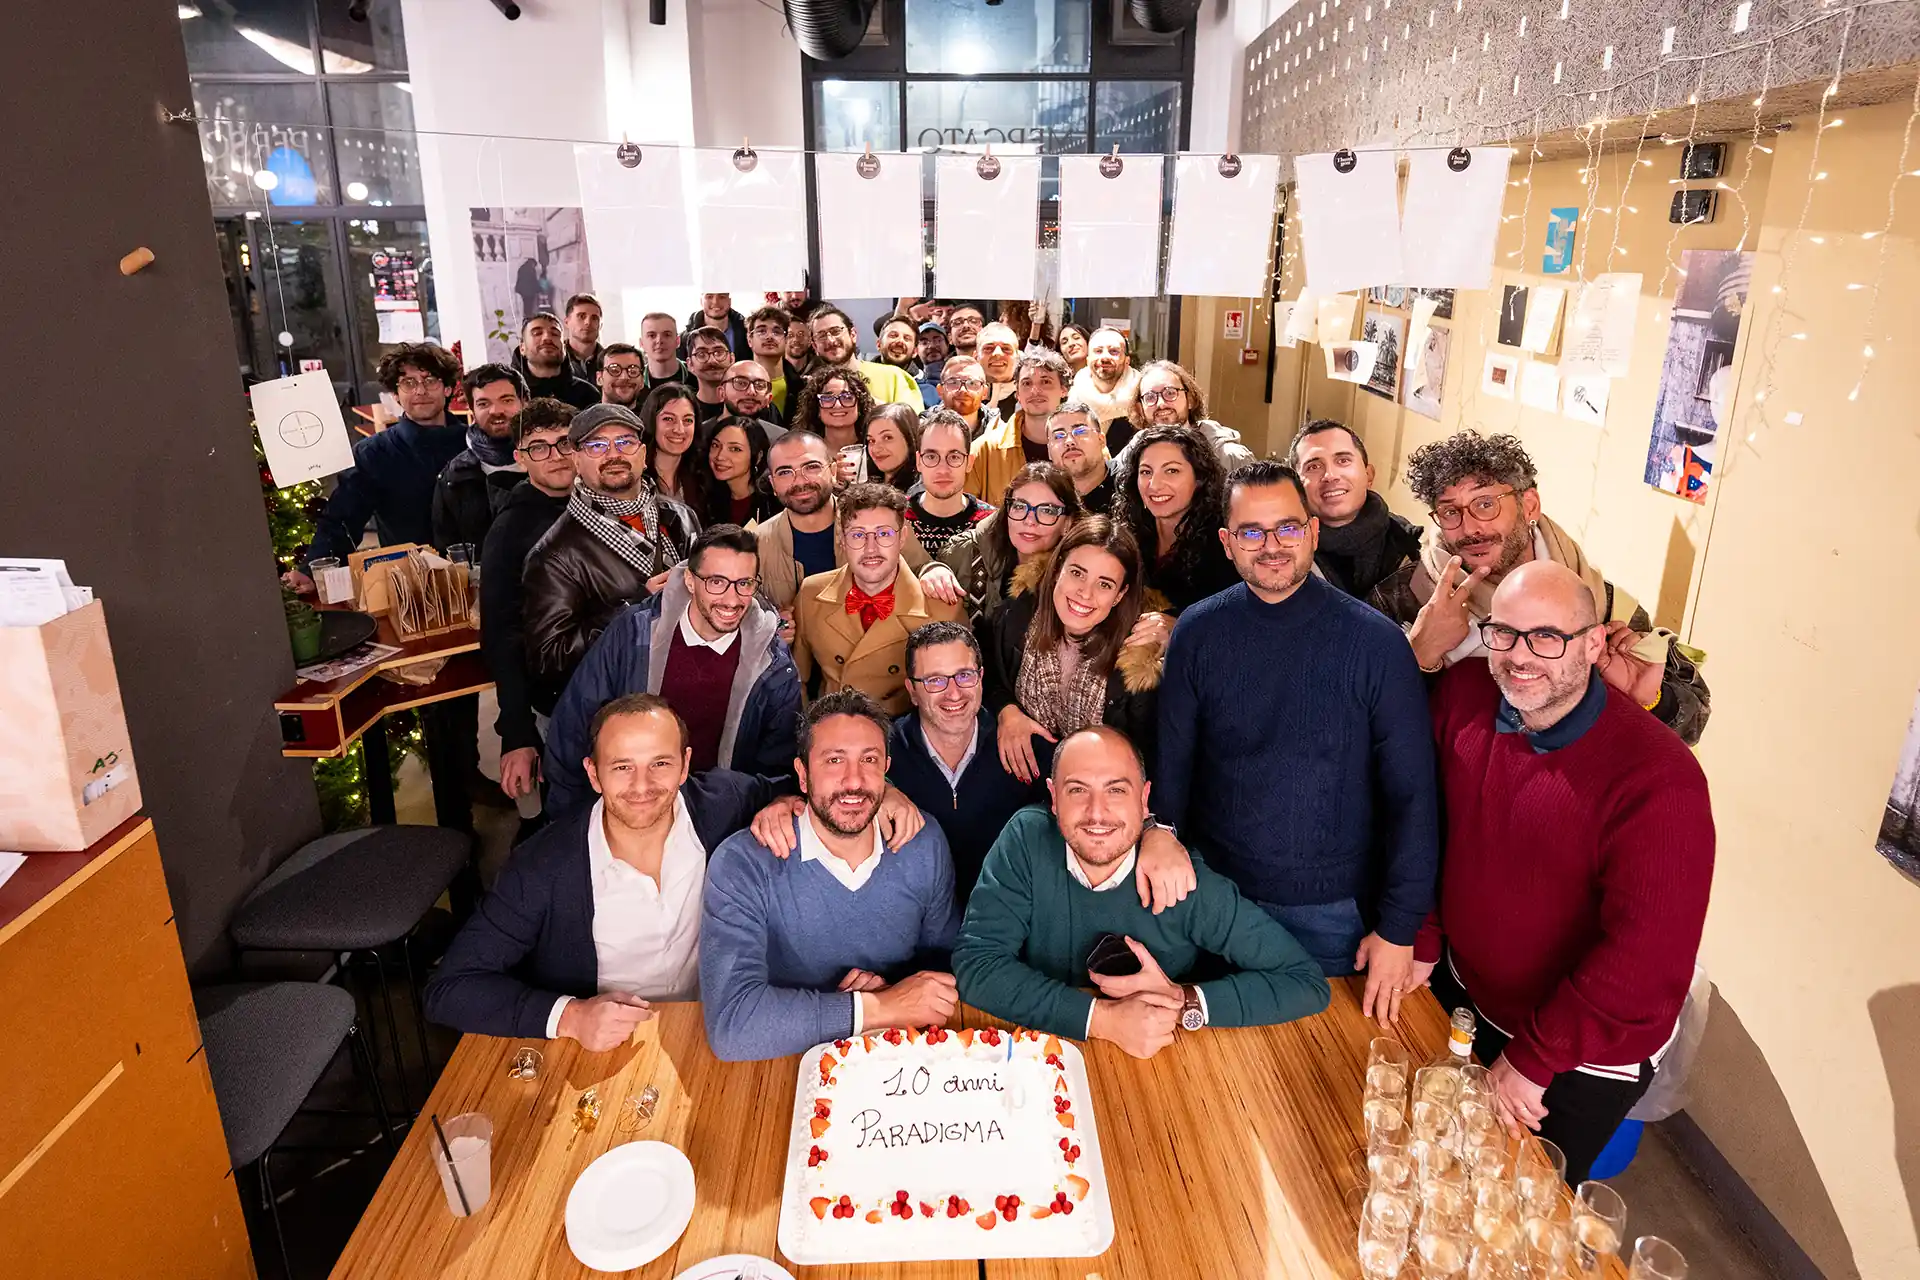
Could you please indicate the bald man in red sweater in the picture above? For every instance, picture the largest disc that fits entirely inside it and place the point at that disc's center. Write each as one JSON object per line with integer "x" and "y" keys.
{"x": 1577, "y": 863}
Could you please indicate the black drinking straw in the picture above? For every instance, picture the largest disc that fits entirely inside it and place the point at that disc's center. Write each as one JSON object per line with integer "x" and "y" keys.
{"x": 452, "y": 1168}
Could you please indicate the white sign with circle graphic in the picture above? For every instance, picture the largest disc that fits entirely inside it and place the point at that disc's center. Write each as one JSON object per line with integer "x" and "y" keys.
{"x": 301, "y": 428}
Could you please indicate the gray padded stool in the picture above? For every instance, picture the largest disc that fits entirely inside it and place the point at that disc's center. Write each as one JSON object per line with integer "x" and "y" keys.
{"x": 359, "y": 893}
{"x": 267, "y": 1045}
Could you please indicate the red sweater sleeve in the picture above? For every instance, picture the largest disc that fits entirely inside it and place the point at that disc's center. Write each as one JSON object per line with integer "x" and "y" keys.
{"x": 1428, "y": 943}
{"x": 1656, "y": 871}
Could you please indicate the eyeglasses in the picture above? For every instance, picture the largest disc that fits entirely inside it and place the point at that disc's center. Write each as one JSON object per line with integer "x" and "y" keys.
{"x": 628, "y": 371}
{"x": 419, "y": 384}
{"x": 719, "y": 584}
{"x": 541, "y": 450}
{"x": 965, "y": 678}
{"x": 963, "y": 384}
{"x": 881, "y": 537}
{"x": 1485, "y": 507}
{"x": 601, "y": 448}
{"x": 711, "y": 353}
{"x": 1060, "y": 435}
{"x": 749, "y": 384}
{"x": 811, "y": 470}
{"x": 1163, "y": 395}
{"x": 1038, "y": 512}
{"x": 1252, "y": 537}
{"x": 835, "y": 331}
{"x": 837, "y": 399}
{"x": 1544, "y": 642}
{"x": 951, "y": 458}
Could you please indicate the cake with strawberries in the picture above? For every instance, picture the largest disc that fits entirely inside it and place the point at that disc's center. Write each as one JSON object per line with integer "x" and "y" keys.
{"x": 943, "y": 1144}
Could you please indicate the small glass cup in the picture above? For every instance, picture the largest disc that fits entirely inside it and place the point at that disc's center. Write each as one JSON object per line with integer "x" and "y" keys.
{"x": 1444, "y": 1247}
{"x": 1655, "y": 1259}
{"x": 1442, "y": 1084}
{"x": 1540, "y": 1173}
{"x": 468, "y": 1181}
{"x": 636, "y": 1110}
{"x": 1386, "y": 1225}
{"x": 462, "y": 553}
{"x": 1599, "y": 1225}
{"x": 1491, "y": 1162}
{"x": 1547, "y": 1238}
{"x": 525, "y": 1064}
{"x": 1496, "y": 1216}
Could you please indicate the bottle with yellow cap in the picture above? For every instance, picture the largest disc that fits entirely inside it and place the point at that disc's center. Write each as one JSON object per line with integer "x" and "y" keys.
{"x": 1441, "y": 1080}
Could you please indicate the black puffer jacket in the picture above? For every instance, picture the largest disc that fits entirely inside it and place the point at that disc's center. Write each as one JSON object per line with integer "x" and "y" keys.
{"x": 466, "y": 498}
{"x": 574, "y": 584}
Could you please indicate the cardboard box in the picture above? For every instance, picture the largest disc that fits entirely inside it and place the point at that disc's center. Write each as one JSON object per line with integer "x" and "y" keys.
{"x": 66, "y": 764}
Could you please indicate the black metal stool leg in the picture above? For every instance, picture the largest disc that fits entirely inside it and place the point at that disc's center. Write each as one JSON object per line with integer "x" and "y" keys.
{"x": 419, "y": 1015}
{"x": 393, "y": 1031}
{"x": 273, "y": 1211}
{"x": 369, "y": 1073}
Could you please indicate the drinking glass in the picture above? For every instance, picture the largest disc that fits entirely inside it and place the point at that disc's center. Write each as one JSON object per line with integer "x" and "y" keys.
{"x": 1489, "y": 1263}
{"x": 1547, "y": 1239}
{"x": 1444, "y": 1247}
{"x": 1496, "y": 1216}
{"x": 1599, "y": 1225}
{"x": 1388, "y": 1163}
{"x": 1445, "y": 1199}
{"x": 1479, "y": 1126}
{"x": 470, "y": 1139}
{"x": 1386, "y": 1224}
{"x": 525, "y": 1065}
{"x": 1442, "y": 1085}
{"x": 1476, "y": 1082}
{"x": 1540, "y": 1172}
{"x": 1491, "y": 1162}
{"x": 1384, "y": 1110}
{"x": 1655, "y": 1259}
{"x": 1385, "y": 1051}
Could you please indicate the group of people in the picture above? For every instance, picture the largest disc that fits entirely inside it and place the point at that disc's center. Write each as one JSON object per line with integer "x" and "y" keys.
{"x": 1048, "y": 697}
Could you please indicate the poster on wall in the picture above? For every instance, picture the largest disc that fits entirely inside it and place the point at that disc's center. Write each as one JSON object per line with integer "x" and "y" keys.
{"x": 1513, "y": 315}
{"x": 1697, "y": 375}
{"x": 527, "y": 260}
{"x": 1561, "y": 229}
{"x": 1427, "y": 375}
{"x": 1387, "y": 331}
{"x": 1899, "y": 840}
{"x": 1442, "y": 301}
{"x": 396, "y": 296}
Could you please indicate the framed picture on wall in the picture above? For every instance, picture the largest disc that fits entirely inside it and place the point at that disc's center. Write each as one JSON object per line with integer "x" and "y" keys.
{"x": 1426, "y": 377}
{"x": 1387, "y": 331}
{"x": 1899, "y": 839}
{"x": 1513, "y": 316}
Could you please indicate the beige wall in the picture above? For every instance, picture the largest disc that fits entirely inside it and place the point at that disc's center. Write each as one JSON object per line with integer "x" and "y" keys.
{"x": 1807, "y": 601}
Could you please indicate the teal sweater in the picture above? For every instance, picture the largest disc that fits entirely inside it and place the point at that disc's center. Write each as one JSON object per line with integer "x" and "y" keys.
{"x": 1023, "y": 947}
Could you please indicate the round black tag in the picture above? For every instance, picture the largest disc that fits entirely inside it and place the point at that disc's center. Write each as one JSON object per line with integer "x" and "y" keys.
{"x": 1229, "y": 166}
{"x": 746, "y": 159}
{"x": 987, "y": 167}
{"x": 1459, "y": 158}
{"x": 1344, "y": 160}
{"x": 1110, "y": 166}
{"x": 867, "y": 165}
{"x": 628, "y": 154}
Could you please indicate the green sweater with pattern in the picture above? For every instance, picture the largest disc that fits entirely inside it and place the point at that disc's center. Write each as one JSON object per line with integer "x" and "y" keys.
{"x": 1023, "y": 947}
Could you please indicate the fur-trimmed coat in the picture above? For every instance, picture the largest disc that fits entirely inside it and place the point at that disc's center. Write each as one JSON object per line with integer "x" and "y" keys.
{"x": 1132, "y": 703}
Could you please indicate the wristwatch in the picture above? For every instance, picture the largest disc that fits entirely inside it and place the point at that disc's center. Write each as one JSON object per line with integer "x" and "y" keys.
{"x": 1193, "y": 1014}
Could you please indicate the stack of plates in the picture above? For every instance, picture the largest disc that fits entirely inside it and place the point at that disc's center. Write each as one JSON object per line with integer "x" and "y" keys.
{"x": 629, "y": 1206}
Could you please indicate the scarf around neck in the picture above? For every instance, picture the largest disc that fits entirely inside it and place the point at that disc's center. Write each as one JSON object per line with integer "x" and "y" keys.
{"x": 1359, "y": 549}
{"x": 495, "y": 453}
{"x": 648, "y": 549}
{"x": 1062, "y": 705}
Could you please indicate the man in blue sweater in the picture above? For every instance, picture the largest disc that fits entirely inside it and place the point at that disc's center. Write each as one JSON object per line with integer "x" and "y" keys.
{"x": 1296, "y": 749}
{"x": 846, "y": 937}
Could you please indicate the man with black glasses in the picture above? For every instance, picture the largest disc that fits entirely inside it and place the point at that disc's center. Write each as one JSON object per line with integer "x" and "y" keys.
{"x": 1077, "y": 445}
{"x": 961, "y": 388}
{"x": 940, "y": 509}
{"x": 710, "y": 359}
{"x": 1309, "y": 781}
{"x": 725, "y": 671}
{"x": 749, "y": 394}
{"x": 623, "y": 376}
{"x": 1484, "y": 498}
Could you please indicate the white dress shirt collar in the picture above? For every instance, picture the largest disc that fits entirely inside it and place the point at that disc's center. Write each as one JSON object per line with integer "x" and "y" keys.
{"x": 1121, "y": 874}
{"x": 720, "y": 645}
{"x": 814, "y": 849}
{"x": 940, "y": 762}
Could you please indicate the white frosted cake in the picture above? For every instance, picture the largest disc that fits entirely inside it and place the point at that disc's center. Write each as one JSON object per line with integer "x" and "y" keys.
{"x": 929, "y": 1144}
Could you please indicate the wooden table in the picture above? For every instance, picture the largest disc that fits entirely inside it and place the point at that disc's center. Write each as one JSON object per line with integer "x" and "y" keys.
{"x": 1227, "y": 1155}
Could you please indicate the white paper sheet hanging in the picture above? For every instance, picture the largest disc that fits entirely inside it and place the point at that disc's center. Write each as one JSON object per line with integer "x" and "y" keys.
{"x": 1599, "y": 337}
{"x": 1222, "y": 227}
{"x": 1452, "y": 218}
{"x": 870, "y": 236}
{"x": 1303, "y": 319}
{"x": 750, "y": 228}
{"x": 301, "y": 430}
{"x": 637, "y": 226}
{"x": 1110, "y": 227}
{"x": 986, "y": 240}
{"x": 1349, "y": 222}
{"x": 1417, "y": 330}
{"x": 1540, "y": 386}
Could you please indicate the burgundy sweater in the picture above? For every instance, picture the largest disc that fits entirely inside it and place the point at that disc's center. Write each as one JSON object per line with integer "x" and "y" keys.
{"x": 698, "y": 684}
{"x": 1574, "y": 879}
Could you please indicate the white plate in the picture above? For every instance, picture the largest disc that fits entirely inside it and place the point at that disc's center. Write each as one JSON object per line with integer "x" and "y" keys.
{"x": 629, "y": 1206}
{"x": 735, "y": 1264}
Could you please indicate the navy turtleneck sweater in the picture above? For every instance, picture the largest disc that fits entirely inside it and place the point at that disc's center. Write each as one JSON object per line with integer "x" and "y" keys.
{"x": 1296, "y": 753}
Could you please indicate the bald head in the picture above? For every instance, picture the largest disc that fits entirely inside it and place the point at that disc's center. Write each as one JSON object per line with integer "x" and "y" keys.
{"x": 1102, "y": 750}
{"x": 1542, "y": 640}
{"x": 1541, "y": 593}
{"x": 1099, "y": 798}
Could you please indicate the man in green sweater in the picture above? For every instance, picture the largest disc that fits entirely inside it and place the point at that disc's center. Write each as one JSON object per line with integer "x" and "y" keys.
{"x": 1043, "y": 904}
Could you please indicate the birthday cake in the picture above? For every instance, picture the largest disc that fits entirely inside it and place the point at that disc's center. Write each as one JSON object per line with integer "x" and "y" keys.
{"x": 943, "y": 1144}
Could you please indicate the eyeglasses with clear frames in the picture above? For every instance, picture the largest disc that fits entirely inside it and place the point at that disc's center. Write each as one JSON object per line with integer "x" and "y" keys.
{"x": 966, "y": 678}
{"x": 963, "y": 384}
{"x": 419, "y": 384}
{"x": 882, "y": 537}
{"x": 601, "y": 448}
{"x": 1060, "y": 435}
{"x": 719, "y": 584}
{"x": 811, "y": 470}
{"x": 1483, "y": 508}
{"x": 1543, "y": 642}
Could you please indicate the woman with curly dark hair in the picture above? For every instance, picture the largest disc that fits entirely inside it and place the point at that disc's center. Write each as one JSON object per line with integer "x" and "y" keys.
{"x": 834, "y": 404}
{"x": 733, "y": 450}
{"x": 1175, "y": 502}
{"x": 1005, "y": 554}
{"x": 669, "y": 427}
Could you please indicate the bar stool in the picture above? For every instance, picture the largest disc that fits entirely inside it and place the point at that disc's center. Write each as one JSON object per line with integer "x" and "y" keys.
{"x": 267, "y": 1045}
{"x": 359, "y": 893}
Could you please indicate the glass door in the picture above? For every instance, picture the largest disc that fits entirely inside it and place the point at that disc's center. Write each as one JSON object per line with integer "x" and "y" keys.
{"x": 302, "y": 301}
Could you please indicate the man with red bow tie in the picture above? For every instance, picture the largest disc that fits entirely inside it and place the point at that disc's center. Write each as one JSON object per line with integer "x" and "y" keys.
{"x": 851, "y": 624}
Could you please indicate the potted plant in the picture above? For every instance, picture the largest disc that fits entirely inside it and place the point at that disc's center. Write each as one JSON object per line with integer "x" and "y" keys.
{"x": 303, "y": 627}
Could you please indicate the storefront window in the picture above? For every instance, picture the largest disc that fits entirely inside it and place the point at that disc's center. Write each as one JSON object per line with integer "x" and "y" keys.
{"x": 966, "y": 38}
{"x": 374, "y": 142}
{"x": 262, "y": 144}
{"x": 1045, "y": 117}
{"x": 1138, "y": 116}
{"x": 850, "y": 115}
{"x": 254, "y": 37}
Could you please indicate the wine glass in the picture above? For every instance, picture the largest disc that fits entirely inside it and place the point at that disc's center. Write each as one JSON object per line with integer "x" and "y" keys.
{"x": 1386, "y": 1222}
{"x": 1655, "y": 1259}
{"x": 1388, "y": 1163}
{"x": 1441, "y": 1084}
{"x": 1599, "y": 1224}
{"x": 1493, "y": 1264}
{"x": 1435, "y": 1123}
{"x": 1476, "y": 1082}
{"x": 1444, "y": 1246}
{"x": 1540, "y": 1172}
{"x": 1491, "y": 1162}
{"x": 1546, "y": 1239}
{"x": 1496, "y": 1216}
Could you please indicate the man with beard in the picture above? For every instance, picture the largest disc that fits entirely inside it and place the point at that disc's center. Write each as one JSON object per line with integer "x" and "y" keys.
{"x": 1044, "y": 915}
{"x": 767, "y": 335}
{"x": 584, "y": 352}
{"x": 1108, "y": 385}
{"x": 542, "y": 447}
{"x": 1483, "y": 495}
{"x": 961, "y": 387}
{"x": 598, "y": 916}
{"x": 999, "y": 352}
{"x": 963, "y": 328}
{"x": 851, "y": 624}
{"x": 837, "y": 941}
{"x": 1568, "y": 808}
{"x": 1361, "y": 541}
{"x": 706, "y": 646}
{"x": 941, "y": 509}
{"x": 1041, "y": 384}
{"x": 748, "y": 394}
{"x": 623, "y": 374}
{"x": 898, "y": 344}
{"x": 1308, "y": 781}
{"x": 716, "y": 312}
{"x": 542, "y": 361}
{"x": 930, "y": 345}
{"x": 395, "y": 470}
{"x": 660, "y": 341}
{"x": 833, "y": 343}
{"x": 1169, "y": 396}
{"x": 1076, "y": 445}
{"x": 612, "y": 547}
{"x": 473, "y": 487}
{"x": 709, "y": 357}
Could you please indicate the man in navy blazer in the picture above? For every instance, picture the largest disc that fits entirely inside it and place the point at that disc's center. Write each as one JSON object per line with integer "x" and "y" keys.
{"x": 599, "y": 913}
